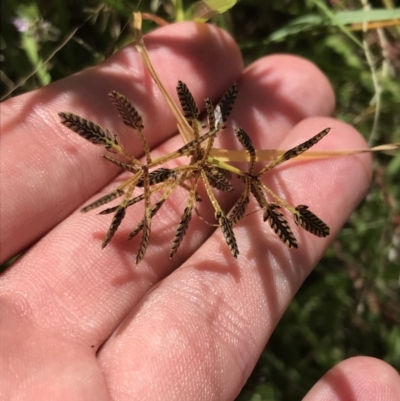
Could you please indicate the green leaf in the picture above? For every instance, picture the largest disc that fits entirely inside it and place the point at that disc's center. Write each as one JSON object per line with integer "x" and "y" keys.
{"x": 202, "y": 11}
{"x": 301, "y": 24}
{"x": 220, "y": 6}
{"x": 340, "y": 19}
{"x": 359, "y": 16}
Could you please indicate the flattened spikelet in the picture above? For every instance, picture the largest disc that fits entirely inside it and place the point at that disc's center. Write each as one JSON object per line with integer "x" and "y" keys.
{"x": 160, "y": 175}
{"x": 88, "y": 129}
{"x": 145, "y": 238}
{"x": 210, "y": 114}
{"x": 229, "y": 235}
{"x": 189, "y": 107}
{"x": 127, "y": 111}
{"x": 226, "y": 173}
{"x": 225, "y": 106}
{"x": 245, "y": 140}
{"x": 108, "y": 210}
{"x": 193, "y": 145}
{"x": 279, "y": 225}
{"x": 130, "y": 203}
{"x": 239, "y": 209}
{"x": 258, "y": 193}
{"x": 154, "y": 209}
{"x": 298, "y": 150}
{"x": 181, "y": 230}
{"x": 310, "y": 222}
{"x": 119, "y": 163}
{"x": 218, "y": 179}
{"x": 116, "y": 221}
{"x": 136, "y": 230}
{"x": 104, "y": 199}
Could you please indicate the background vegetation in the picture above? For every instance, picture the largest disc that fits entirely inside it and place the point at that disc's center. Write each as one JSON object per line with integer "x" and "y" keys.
{"x": 350, "y": 304}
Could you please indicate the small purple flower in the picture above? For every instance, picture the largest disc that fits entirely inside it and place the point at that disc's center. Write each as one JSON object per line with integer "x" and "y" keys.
{"x": 21, "y": 24}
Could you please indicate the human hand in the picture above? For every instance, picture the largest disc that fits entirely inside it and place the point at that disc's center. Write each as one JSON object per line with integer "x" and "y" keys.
{"x": 78, "y": 323}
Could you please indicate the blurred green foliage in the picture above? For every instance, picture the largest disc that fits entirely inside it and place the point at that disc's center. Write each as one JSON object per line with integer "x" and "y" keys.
{"x": 350, "y": 304}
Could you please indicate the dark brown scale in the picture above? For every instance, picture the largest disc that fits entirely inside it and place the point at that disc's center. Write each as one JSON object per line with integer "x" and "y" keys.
{"x": 279, "y": 225}
{"x": 310, "y": 222}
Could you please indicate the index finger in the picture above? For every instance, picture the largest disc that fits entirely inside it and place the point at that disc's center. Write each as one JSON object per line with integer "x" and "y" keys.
{"x": 48, "y": 171}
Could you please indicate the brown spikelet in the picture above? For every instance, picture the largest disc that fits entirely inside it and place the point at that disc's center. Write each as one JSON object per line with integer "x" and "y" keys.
{"x": 145, "y": 238}
{"x": 130, "y": 116}
{"x": 89, "y": 130}
{"x": 130, "y": 203}
{"x": 239, "y": 209}
{"x": 229, "y": 235}
{"x": 135, "y": 200}
{"x": 193, "y": 145}
{"x": 160, "y": 175}
{"x": 258, "y": 193}
{"x": 298, "y": 150}
{"x": 109, "y": 210}
{"x": 218, "y": 178}
{"x": 181, "y": 230}
{"x": 227, "y": 174}
{"x": 245, "y": 140}
{"x": 225, "y": 106}
{"x": 116, "y": 221}
{"x": 136, "y": 230}
{"x": 189, "y": 107}
{"x": 119, "y": 163}
{"x": 306, "y": 219}
{"x": 210, "y": 114}
{"x": 154, "y": 209}
{"x": 279, "y": 225}
{"x": 104, "y": 199}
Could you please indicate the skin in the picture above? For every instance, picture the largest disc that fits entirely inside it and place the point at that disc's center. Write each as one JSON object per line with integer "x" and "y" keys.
{"x": 79, "y": 323}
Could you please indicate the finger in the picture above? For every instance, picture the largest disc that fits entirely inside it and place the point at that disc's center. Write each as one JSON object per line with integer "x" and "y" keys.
{"x": 47, "y": 171}
{"x": 358, "y": 379}
{"x": 276, "y": 93}
{"x": 208, "y": 322}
